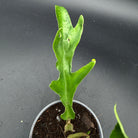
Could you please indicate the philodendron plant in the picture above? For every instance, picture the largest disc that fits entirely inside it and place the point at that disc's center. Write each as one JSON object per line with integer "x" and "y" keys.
{"x": 64, "y": 45}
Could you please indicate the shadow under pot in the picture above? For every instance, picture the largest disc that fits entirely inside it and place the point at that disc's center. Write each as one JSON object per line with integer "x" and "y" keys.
{"x": 48, "y": 123}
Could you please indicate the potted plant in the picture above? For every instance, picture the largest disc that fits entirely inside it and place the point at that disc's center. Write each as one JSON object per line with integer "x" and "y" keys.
{"x": 69, "y": 118}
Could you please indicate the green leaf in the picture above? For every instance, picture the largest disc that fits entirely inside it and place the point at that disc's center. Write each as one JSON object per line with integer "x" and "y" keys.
{"x": 78, "y": 135}
{"x": 64, "y": 45}
{"x": 118, "y": 131}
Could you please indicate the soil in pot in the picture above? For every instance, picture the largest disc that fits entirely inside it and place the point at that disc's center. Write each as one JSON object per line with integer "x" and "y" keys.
{"x": 50, "y": 125}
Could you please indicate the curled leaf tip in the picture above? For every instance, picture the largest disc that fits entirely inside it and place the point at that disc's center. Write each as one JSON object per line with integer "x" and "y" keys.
{"x": 94, "y": 60}
{"x": 115, "y": 106}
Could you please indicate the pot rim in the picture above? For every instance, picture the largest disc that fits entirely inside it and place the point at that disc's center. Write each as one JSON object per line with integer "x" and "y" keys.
{"x": 57, "y": 101}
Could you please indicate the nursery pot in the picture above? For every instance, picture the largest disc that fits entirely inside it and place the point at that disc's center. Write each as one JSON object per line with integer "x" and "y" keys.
{"x": 48, "y": 123}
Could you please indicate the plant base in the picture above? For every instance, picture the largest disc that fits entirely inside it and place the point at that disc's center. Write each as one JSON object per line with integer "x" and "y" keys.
{"x": 50, "y": 125}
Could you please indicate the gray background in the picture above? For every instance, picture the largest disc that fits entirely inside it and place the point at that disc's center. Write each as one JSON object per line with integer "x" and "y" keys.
{"x": 27, "y": 62}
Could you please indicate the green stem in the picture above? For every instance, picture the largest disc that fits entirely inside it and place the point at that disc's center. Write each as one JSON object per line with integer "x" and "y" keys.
{"x": 68, "y": 127}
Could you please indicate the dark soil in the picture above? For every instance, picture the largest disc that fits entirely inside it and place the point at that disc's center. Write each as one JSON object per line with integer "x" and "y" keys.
{"x": 50, "y": 125}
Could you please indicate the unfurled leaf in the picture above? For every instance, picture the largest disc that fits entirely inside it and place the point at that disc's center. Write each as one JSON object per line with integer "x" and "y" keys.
{"x": 118, "y": 131}
{"x": 64, "y": 45}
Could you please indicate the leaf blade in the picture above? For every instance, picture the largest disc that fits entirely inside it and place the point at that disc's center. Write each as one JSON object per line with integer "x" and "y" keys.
{"x": 64, "y": 45}
{"x": 118, "y": 131}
